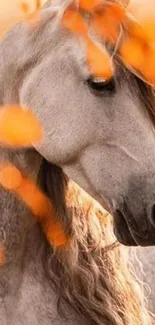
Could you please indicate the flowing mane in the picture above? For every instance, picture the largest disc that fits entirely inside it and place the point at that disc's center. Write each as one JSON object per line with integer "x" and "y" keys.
{"x": 92, "y": 273}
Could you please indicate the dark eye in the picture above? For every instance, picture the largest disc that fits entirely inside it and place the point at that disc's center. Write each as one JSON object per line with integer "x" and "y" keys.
{"x": 100, "y": 85}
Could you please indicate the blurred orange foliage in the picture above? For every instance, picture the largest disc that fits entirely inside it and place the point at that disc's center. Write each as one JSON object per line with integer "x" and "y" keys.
{"x": 19, "y": 126}
{"x": 136, "y": 22}
{"x": 12, "y": 179}
{"x": 98, "y": 59}
{"x": 14, "y": 11}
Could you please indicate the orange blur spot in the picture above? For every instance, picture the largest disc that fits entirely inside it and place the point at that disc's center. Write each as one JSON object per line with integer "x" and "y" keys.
{"x": 18, "y": 11}
{"x": 73, "y": 21}
{"x": 117, "y": 11}
{"x": 38, "y": 4}
{"x": 11, "y": 178}
{"x": 107, "y": 27}
{"x": 18, "y": 126}
{"x": 90, "y": 5}
{"x": 138, "y": 51}
{"x": 25, "y": 7}
{"x": 132, "y": 52}
{"x": 148, "y": 67}
{"x": 149, "y": 27}
{"x": 144, "y": 14}
{"x": 106, "y": 22}
{"x": 55, "y": 234}
{"x": 98, "y": 60}
{"x": 134, "y": 29}
{"x": 1, "y": 255}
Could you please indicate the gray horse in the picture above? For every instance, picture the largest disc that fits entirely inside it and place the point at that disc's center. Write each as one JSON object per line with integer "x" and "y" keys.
{"x": 100, "y": 134}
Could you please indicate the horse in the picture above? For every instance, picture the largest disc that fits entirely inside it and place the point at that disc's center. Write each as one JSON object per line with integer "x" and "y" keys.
{"x": 85, "y": 281}
{"x": 100, "y": 133}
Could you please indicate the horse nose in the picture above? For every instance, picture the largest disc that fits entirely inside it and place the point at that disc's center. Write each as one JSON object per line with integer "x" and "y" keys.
{"x": 152, "y": 216}
{"x": 134, "y": 226}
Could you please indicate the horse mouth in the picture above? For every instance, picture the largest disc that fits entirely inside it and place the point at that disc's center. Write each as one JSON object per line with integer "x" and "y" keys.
{"x": 122, "y": 231}
{"x": 128, "y": 235}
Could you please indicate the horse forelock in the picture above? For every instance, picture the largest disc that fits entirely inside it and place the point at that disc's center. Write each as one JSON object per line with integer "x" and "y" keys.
{"x": 146, "y": 95}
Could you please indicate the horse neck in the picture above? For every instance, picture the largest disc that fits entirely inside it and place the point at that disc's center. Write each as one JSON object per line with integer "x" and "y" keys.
{"x": 20, "y": 235}
{"x": 26, "y": 160}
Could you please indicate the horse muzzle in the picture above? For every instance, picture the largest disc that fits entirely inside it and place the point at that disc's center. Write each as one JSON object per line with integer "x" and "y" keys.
{"x": 134, "y": 230}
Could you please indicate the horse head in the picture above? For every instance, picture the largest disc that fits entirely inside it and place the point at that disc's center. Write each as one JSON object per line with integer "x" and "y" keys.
{"x": 100, "y": 132}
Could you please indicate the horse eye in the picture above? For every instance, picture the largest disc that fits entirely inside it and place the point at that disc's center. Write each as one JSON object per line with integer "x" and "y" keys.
{"x": 101, "y": 85}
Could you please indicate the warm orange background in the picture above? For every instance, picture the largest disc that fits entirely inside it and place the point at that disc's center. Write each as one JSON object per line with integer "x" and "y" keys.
{"x": 11, "y": 12}
{"x": 144, "y": 12}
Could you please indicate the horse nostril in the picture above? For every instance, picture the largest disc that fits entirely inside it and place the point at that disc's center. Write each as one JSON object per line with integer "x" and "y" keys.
{"x": 153, "y": 215}
{"x": 120, "y": 221}
{"x": 121, "y": 230}
{"x": 119, "y": 217}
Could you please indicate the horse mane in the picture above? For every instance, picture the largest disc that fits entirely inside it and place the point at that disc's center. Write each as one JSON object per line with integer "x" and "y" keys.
{"x": 91, "y": 273}
{"x": 146, "y": 95}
